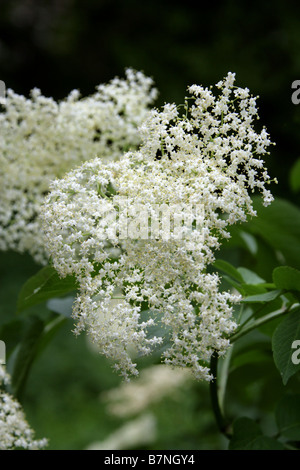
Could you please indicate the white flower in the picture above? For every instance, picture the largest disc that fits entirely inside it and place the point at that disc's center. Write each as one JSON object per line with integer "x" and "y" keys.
{"x": 153, "y": 385}
{"x": 136, "y": 433}
{"x": 41, "y": 140}
{"x": 15, "y": 432}
{"x": 206, "y": 161}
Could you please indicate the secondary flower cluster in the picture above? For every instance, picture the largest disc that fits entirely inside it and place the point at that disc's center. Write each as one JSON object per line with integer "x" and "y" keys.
{"x": 41, "y": 139}
{"x": 15, "y": 432}
{"x": 153, "y": 384}
{"x": 142, "y": 294}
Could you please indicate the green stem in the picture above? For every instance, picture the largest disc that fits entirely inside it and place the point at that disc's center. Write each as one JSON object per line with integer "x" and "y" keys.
{"x": 258, "y": 322}
{"x": 220, "y": 420}
{"x": 258, "y": 310}
{"x": 218, "y": 409}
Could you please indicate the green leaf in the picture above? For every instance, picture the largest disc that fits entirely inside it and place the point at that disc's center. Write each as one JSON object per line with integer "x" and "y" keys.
{"x": 266, "y": 297}
{"x": 250, "y": 277}
{"x": 252, "y": 289}
{"x": 36, "y": 337}
{"x": 233, "y": 283}
{"x": 49, "y": 332}
{"x": 250, "y": 242}
{"x": 288, "y": 417}
{"x": 279, "y": 225}
{"x": 247, "y": 435}
{"x": 295, "y": 176}
{"x": 249, "y": 357}
{"x": 228, "y": 269}
{"x": 26, "y": 354}
{"x": 283, "y": 338}
{"x": 45, "y": 285}
{"x": 285, "y": 277}
{"x": 269, "y": 327}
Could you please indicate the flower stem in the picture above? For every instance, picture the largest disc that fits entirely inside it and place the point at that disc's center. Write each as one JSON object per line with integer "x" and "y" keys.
{"x": 220, "y": 420}
{"x": 258, "y": 322}
{"x": 213, "y": 387}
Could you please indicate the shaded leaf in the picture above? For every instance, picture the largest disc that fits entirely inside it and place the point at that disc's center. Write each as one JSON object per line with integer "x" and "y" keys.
{"x": 45, "y": 285}
{"x": 26, "y": 354}
{"x": 250, "y": 241}
{"x": 228, "y": 269}
{"x": 252, "y": 289}
{"x": 288, "y": 278}
{"x": 49, "y": 332}
{"x": 285, "y": 334}
{"x": 247, "y": 435}
{"x": 279, "y": 225}
{"x": 265, "y": 297}
{"x": 288, "y": 417}
{"x": 250, "y": 277}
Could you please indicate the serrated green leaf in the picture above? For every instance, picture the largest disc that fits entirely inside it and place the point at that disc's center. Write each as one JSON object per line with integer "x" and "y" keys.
{"x": 285, "y": 334}
{"x": 288, "y": 417}
{"x": 45, "y": 285}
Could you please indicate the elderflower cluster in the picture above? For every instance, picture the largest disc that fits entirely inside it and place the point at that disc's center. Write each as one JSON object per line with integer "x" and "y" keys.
{"x": 41, "y": 139}
{"x": 15, "y": 432}
{"x": 153, "y": 384}
{"x": 141, "y": 292}
{"x": 139, "y": 432}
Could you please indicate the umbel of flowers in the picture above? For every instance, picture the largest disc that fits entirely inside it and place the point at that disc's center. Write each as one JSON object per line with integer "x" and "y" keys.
{"x": 41, "y": 139}
{"x": 210, "y": 157}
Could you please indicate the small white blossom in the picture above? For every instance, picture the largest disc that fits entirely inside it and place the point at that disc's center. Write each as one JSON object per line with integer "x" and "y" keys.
{"x": 208, "y": 158}
{"x": 15, "y": 432}
{"x": 152, "y": 386}
{"x": 41, "y": 139}
{"x": 138, "y": 432}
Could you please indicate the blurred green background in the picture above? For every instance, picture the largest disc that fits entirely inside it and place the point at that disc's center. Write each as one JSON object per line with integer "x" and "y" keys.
{"x": 60, "y": 45}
